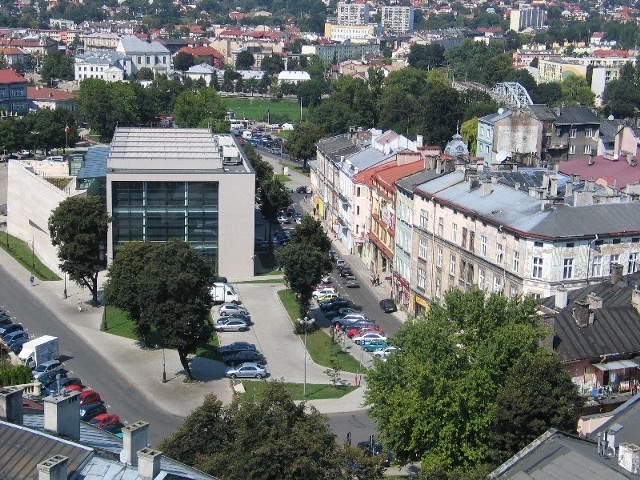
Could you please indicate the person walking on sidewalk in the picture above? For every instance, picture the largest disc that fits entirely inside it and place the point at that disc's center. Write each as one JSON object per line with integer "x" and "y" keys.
{"x": 32, "y": 279}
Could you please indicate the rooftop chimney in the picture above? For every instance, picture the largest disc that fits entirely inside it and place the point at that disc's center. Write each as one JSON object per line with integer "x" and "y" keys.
{"x": 62, "y": 415}
{"x": 635, "y": 298}
{"x": 553, "y": 186}
{"x": 545, "y": 181}
{"x": 11, "y": 405}
{"x": 474, "y": 182}
{"x": 561, "y": 298}
{"x": 568, "y": 189}
{"x": 134, "y": 439}
{"x": 419, "y": 141}
{"x": 629, "y": 457}
{"x": 591, "y": 162}
{"x": 616, "y": 273}
{"x": 149, "y": 463}
{"x": 581, "y": 314}
{"x": 485, "y": 189}
{"x": 595, "y": 302}
{"x": 53, "y": 468}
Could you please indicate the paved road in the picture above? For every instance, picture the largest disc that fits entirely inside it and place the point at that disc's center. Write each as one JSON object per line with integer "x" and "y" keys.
{"x": 84, "y": 360}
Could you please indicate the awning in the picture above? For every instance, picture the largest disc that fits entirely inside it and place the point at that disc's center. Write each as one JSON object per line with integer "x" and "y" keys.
{"x": 619, "y": 365}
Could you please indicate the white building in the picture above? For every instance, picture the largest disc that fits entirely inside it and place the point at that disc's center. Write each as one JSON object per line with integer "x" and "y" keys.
{"x": 107, "y": 65}
{"x": 397, "y": 19}
{"x": 152, "y": 55}
{"x": 201, "y": 70}
{"x": 352, "y": 13}
{"x": 527, "y": 17}
{"x": 292, "y": 76}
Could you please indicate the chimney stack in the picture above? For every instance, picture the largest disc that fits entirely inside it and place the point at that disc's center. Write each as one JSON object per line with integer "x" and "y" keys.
{"x": 629, "y": 457}
{"x": 553, "y": 186}
{"x": 62, "y": 415}
{"x": 595, "y": 302}
{"x": 561, "y": 298}
{"x": 568, "y": 189}
{"x": 485, "y": 189}
{"x": 581, "y": 313}
{"x": 616, "y": 273}
{"x": 419, "y": 141}
{"x": 548, "y": 323}
{"x": 134, "y": 439}
{"x": 11, "y": 405}
{"x": 53, "y": 468}
{"x": 149, "y": 463}
{"x": 635, "y": 298}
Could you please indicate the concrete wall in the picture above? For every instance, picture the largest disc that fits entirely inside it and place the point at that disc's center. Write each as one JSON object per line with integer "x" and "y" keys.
{"x": 30, "y": 202}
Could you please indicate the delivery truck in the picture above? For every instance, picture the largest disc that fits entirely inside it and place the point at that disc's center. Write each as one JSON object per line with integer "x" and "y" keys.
{"x": 39, "y": 350}
{"x": 224, "y": 293}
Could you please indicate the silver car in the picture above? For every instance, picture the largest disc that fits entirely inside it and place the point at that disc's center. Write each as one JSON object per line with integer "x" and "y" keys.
{"x": 230, "y": 324}
{"x": 231, "y": 309}
{"x": 246, "y": 370}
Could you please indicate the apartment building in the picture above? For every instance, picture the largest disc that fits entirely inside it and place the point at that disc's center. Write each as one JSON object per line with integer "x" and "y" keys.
{"x": 13, "y": 93}
{"x": 397, "y": 19}
{"x": 107, "y": 65}
{"x": 352, "y": 13}
{"x": 344, "y": 50}
{"x": 150, "y": 54}
{"x": 516, "y": 230}
{"x": 340, "y": 33}
{"x": 527, "y": 17}
{"x": 513, "y": 134}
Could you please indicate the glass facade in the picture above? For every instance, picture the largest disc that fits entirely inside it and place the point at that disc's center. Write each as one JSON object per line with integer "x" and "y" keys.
{"x": 160, "y": 211}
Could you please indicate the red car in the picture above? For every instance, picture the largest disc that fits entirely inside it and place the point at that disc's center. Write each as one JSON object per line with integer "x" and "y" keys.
{"x": 73, "y": 388}
{"x": 352, "y": 332}
{"x": 104, "y": 420}
{"x": 89, "y": 396}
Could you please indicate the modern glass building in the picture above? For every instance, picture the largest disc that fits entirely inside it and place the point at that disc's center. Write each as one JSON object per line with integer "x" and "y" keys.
{"x": 183, "y": 183}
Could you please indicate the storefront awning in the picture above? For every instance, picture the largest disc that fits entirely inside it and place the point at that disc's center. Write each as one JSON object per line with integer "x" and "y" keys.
{"x": 619, "y": 365}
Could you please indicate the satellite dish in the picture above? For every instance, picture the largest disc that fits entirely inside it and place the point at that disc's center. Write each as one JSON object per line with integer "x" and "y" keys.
{"x": 500, "y": 111}
{"x": 610, "y": 117}
{"x": 502, "y": 155}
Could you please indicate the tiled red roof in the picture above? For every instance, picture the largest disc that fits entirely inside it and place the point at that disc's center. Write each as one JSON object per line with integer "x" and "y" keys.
{"x": 44, "y": 93}
{"x": 605, "y": 172}
{"x": 202, "y": 52}
{"x": 610, "y": 53}
{"x": 9, "y": 76}
{"x": 11, "y": 51}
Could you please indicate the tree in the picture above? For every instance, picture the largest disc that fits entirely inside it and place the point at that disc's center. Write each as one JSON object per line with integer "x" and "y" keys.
{"x": 164, "y": 287}
{"x": 263, "y": 169}
{"x": 272, "y": 64}
{"x": 245, "y": 60}
{"x": 576, "y": 91}
{"x": 302, "y": 141}
{"x": 538, "y": 394}
{"x": 426, "y": 57}
{"x": 273, "y": 197}
{"x": 469, "y": 132}
{"x": 78, "y": 227}
{"x": 310, "y": 231}
{"x": 273, "y": 427}
{"x": 183, "y": 61}
{"x": 303, "y": 265}
{"x": 621, "y": 98}
{"x": 199, "y": 109}
{"x": 549, "y": 93}
{"x": 57, "y": 66}
{"x": 145, "y": 73}
{"x": 48, "y": 127}
{"x": 436, "y": 401}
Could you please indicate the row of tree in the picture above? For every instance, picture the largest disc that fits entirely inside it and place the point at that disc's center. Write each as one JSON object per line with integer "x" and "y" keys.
{"x": 43, "y": 129}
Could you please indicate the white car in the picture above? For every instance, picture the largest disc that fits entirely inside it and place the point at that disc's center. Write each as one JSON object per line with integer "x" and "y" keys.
{"x": 232, "y": 309}
{"x": 368, "y": 336}
{"x": 384, "y": 353}
{"x": 323, "y": 291}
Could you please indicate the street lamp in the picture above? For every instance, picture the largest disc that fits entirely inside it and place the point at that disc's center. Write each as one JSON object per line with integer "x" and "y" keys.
{"x": 65, "y": 288}
{"x": 304, "y": 386}
{"x": 164, "y": 369}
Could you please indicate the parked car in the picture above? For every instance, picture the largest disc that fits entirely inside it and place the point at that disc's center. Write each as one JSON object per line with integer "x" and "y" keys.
{"x": 4, "y": 321}
{"x": 231, "y": 308}
{"x": 45, "y": 367}
{"x": 375, "y": 449}
{"x": 16, "y": 345}
{"x": 350, "y": 318}
{"x": 230, "y": 324}
{"x": 283, "y": 219}
{"x": 346, "y": 272}
{"x": 351, "y": 282}
{"x": 340, "y": 263}
{"x": 236, "y": 347}
{"x": 323, "y": 290}
{"x": 9, "y": 328}
{"x": 385, "y": 352}
{"x": 337, "y": 303}
{"x": 240, "y": 316}
{"x": 91, "y": 410}
{"x": 374, "y": 345}
{"x": 244, "y": 357}
{"x": 326, "y": 296}
{"x": 89, "y": 396}
{"x": 105, "y": 420}
{"x": 48, "y": 378}
{"x": 303, "y": 189}
{"x": 10, "y": 337}
{"x": 65, "y": 385}
{"x": 366, "y": 337}
{"x": 362, "y": 327}
{"x": 388, "y": 306}
{"x": 340, "y": 312}
{"x": 246, "y": 370}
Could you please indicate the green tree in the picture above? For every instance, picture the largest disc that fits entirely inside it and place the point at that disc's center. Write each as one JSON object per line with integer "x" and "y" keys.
{"x": 263, "y": 169}
{"x": 183, "y": 61}
{"x": 426, "y": 57}
{"x": 57, "y": 66}
{"x": 576, "y": 91}
{"x": 272, "y": 64}
{"x": 245, "y": 60}
{"x": 78, "y": 227}
{"x": 549, "y": 93}
{"x": 47, "y": 128}
{"x": 469, "y": 132}
{"x": 436, "y": 401}
{"x": 273, "y": 427}
{"x": 311, "y": 232}
{"x": 302, "y": 141}
{"x": 621, "y": 98}
{"x": 11, "y": 139}
{"x": 145, "y": 73}
{"x": 199, "y": 109}
{"x": 303, "y": 265}
{"x": 273, "y": 197}
{"x": 538, "y": 394}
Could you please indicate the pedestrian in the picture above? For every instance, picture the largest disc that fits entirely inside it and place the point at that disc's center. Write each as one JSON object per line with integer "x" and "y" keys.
{"x": 32, "y": 279}
{"x": 79, "y": 305}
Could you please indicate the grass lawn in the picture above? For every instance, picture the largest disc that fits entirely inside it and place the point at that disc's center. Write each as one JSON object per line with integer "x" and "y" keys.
{"x": 117, "y": 322}
{"x": 255, "y": 108}
{"x": 319, "y": 345}
{"x": 254, "y": 389}
{"x": 282, "y": 177}
{"x": 23, "y": 253}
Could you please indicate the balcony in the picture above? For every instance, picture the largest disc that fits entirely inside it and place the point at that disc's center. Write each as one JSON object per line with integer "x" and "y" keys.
{"x": 558, "y": 144}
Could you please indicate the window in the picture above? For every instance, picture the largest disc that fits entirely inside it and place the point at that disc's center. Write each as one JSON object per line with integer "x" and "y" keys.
{"x": 632, "y": 264}
{"x": 424, "y": 219}
{"x": 614, "y": 259}
{"x": 422, "y": 249}
{"x": 588, "y": 133}
{"x": 439, "y": 258}
{"x": 472, "y": 239}
{"x": 573, "y": 133}
{"x": 483, "y": 245}
{"x": 537, "y": 267}
{"x": 567, "y": 270}
{"x": 516, "y": 261}
{"x": 421, "y": 278}
{"x": 357, "y": 209}
{"x": 452, "y": 265}
{"x": 497, "y": 283}
{"x": 465, "y": 233}
{"x": 538, "y": 244}
{"x": 454, "y": 232}
{"x": 499, "y": 253}
{"x": 513, "y": 291}
{"x": 572, "y": 150}
{"x": 440, "y": 226}
{"x": 587, "y": 149}
{"x": 558, "y": 132}
{"x": 596, "y": 266}
{"x": 481, "y": 278}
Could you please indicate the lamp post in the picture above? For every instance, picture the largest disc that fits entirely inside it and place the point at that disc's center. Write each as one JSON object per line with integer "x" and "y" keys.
{"x": 304, "y": 385}
{"x": 65, "y": 292}
{"x": 33, "y": 254}
{"x": 164, "y": 369}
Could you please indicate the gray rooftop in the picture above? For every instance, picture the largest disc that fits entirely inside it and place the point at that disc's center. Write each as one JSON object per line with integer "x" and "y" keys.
{"x": 575, "y": 115}
{"x": 94, "y": 164}
{"x": 408, "y": 183}
{"x": 134, "y": 46}
{"x": 100, "y": 57}
{"x": 361, "y": 160}
{"x": 337, "y": 147}
{"x": 494, "y": 117}
{"x": 541, "y": 112}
